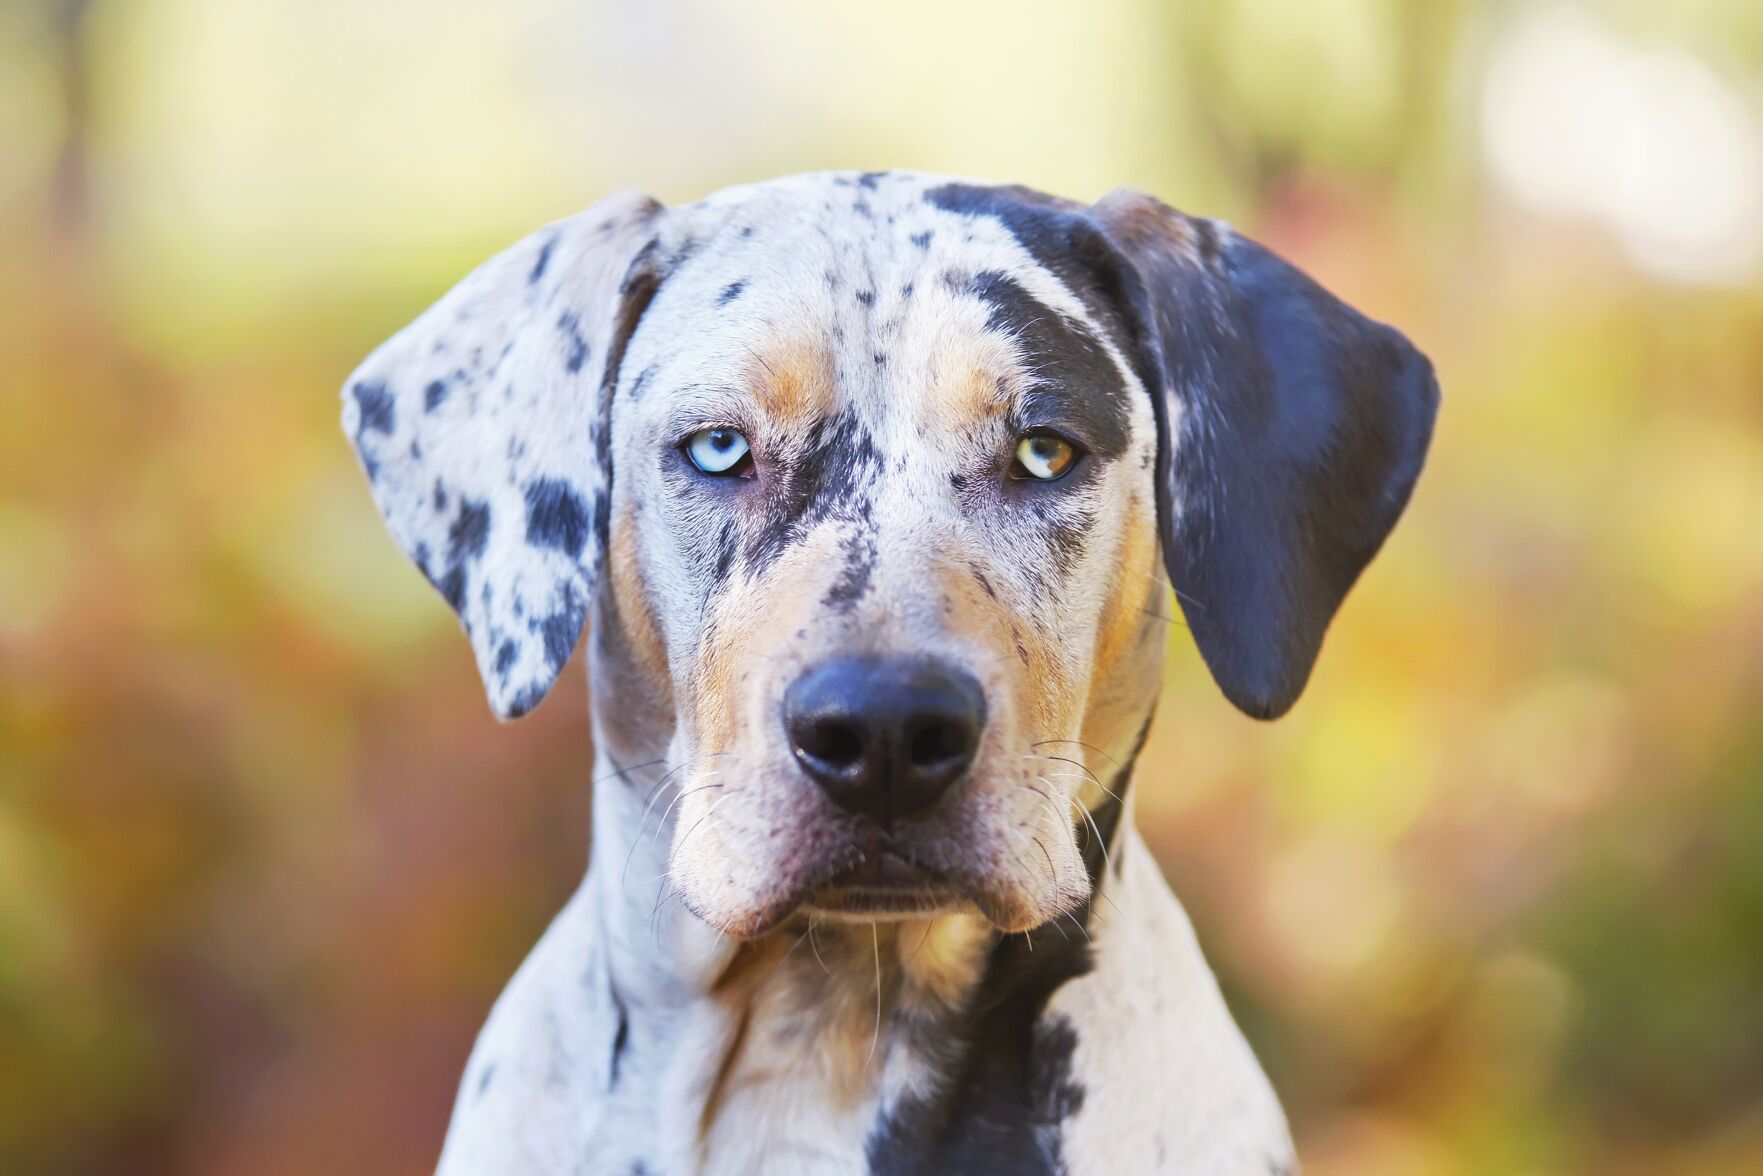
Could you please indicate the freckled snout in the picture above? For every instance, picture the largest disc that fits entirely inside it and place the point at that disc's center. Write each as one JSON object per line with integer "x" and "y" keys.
{"x": 884, "y": 737}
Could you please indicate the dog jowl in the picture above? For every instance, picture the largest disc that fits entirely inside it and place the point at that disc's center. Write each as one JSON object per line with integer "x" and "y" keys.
{"x": 874, "y": 487}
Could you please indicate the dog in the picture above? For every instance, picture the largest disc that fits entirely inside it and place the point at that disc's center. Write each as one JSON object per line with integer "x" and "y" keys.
{"x": 870, "y": 483}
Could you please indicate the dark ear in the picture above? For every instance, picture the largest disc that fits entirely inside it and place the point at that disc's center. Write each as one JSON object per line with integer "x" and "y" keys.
{"x": 1292, "y": 429}
{"x": 482, "y": 428}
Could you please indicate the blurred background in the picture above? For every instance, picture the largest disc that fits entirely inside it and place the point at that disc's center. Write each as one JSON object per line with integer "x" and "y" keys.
{"x": 1490, "y": 900}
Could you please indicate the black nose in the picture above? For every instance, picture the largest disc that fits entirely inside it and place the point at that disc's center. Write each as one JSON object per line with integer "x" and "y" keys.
{"x": 884, "y": 736}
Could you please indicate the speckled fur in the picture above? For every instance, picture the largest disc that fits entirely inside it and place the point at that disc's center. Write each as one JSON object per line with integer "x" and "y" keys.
{"x": 881, "y": 339}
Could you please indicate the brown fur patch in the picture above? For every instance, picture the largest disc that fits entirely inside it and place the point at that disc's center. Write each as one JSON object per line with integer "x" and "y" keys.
{"x": 971, "y": 380}
{"x": 633, "y": 610}
{"x": 1142, "y": 224}
{"x": 793, "y": 380}
{"x": 740, "y": 624}
{"x": 941, "y": 959}
{"x": 1123, "y": 615}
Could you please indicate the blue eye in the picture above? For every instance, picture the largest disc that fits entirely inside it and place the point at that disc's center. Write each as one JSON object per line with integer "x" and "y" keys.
{"x": 718, "y": 451}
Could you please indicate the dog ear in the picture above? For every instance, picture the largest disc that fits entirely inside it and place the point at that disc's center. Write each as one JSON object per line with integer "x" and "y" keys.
{"x": 482, "y": 427}
{"x": 1292, "y": 429}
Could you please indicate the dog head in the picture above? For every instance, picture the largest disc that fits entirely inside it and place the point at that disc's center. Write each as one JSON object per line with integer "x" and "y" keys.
{"x": 866, "y": 479}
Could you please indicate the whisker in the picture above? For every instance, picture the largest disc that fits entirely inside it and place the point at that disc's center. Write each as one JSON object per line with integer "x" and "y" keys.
{"x": 643, "y": 823}
{"x": 921, "y": 939}
{"x": 1107, "y": 862}
{"x": 709, "y": 812}
{"x": 622, "y": 771}
{"x": 1064, "y": 759}
{"x": 1085, "y": 746}
{"x": 668, "y": 812}
{"x": 875, "y": 941}
{"x": 814, "y": 943}
{"x": 1051, "y": 776}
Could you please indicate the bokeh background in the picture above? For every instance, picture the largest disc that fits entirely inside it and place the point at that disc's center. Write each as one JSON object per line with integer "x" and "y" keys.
{"x": 1489, "y": 900}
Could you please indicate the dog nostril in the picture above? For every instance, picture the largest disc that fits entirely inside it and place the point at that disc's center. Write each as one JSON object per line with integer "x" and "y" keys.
{"x": 884, "y": 737}
{"x": 834, "y": 742}
{"x": 936, "y": 741}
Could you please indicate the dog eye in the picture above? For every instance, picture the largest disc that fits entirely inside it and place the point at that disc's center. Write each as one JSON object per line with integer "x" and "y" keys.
{"x": 1044, "y": 457}
{"x": 718, "y": 451}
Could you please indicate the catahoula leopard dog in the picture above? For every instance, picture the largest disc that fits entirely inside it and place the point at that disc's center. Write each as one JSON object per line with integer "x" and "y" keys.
{"x": 875, "y": 486}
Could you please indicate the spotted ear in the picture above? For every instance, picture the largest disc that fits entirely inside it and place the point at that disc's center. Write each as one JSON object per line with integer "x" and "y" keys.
{"x": 1292, "y": 430}
{"x": 482, "y": 427}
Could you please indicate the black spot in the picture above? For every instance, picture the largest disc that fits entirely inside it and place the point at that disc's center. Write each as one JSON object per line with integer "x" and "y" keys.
{"x": 544, "y": 259}
{"x": 731, "y": 292}
{"x": 725, "y": 553}
{"x": 860, "y": 206}
{"x": 828, "y": 479}
{"x": 466, "y": 537}
{"x": 870, "y": 179}
{"x": 529, "y": 697}
{"x": 469, "y": 532}
{"x": 853, "y": 582}
{"x": 620, "y": 1040}
{"x": 556, "y": 516}
{"x": 922, "y": 240}
{"x": 575, "y": 345}
{"x": 1058, "y": 233}
{"x": 452, "y": 587}
{"x": 434, "y": 395}
{"x": 377, "y": 411}
{"x": 906, "y": 291}
{"x": 505, "y": 658}
{"x": 1075, "y": 380}
{"x": 640, "y": 385}
{"x": 484, "y": 1079}
{"x": 880, "y": 359}
{"x": 1067, "y": 531}
{"x": 746, "y": 231}
{"x": 440, "y": 497}
{"x": 866, "y": 297}
{"x": 561, "y": 628}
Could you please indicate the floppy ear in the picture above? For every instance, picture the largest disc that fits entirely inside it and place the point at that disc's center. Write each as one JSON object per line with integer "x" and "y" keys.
{"x": 482, "y": 428}
{"x": 1291, "y": 431}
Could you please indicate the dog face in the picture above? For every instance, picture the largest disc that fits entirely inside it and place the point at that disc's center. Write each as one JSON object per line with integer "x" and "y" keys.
{"x": 878, "y": 467}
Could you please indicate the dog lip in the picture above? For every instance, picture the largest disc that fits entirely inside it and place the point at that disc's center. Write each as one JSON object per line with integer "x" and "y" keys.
{"x": 884, "y": 882}
{"x": 884, "y": 869}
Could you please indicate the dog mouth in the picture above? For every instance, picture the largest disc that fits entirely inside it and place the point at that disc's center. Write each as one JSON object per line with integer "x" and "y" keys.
{"x": 886, "y": 884}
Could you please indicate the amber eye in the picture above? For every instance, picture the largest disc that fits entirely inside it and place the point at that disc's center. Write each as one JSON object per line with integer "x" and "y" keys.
{"x": 1044, "y": 457}
{"x": 718, "y": 452}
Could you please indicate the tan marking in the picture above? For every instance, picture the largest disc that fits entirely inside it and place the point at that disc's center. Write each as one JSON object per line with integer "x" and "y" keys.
{"x": 793, "y": 380}
{"x": 973, "y": 376}
{"x": 633, "y": 611}
{"x": 753, "y": 618}
{"x": 1134, "y": 573}
{"x": 941, "y": 959}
